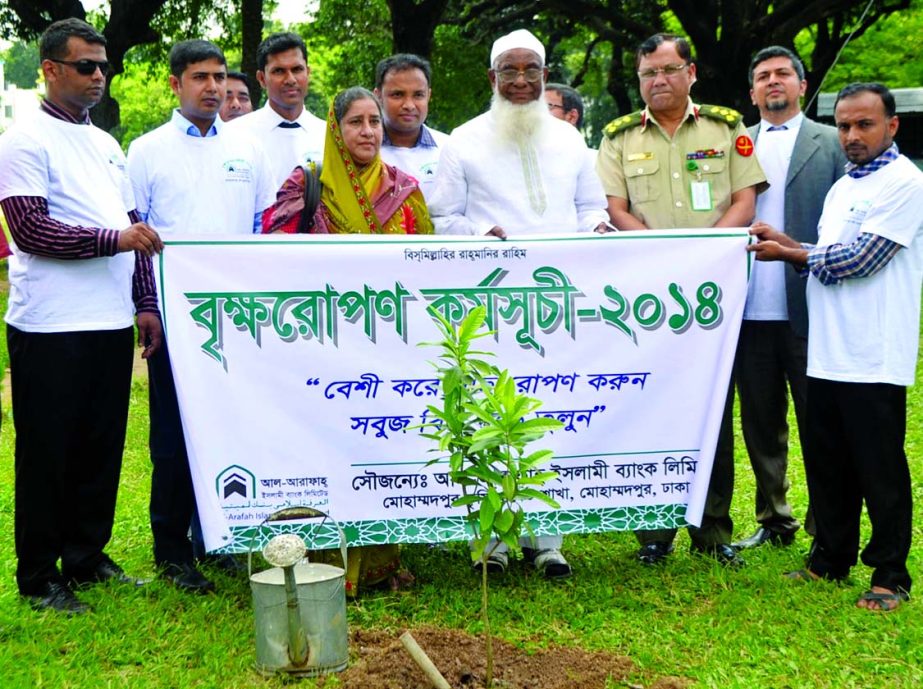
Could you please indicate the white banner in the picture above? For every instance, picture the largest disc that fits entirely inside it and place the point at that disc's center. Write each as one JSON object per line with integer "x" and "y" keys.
{"x": 301, "y": 381}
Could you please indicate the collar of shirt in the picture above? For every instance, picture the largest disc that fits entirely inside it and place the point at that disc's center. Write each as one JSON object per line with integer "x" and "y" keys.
{"x": 889, "y": 155}
{"x": 794, "y": 124}
{"x": 50, "y": 108}
{"x": 647, "y": 116}
{"x": 189, "y": 129}
{"x": 274, "y": 119}
{"x": 425, "y": 140}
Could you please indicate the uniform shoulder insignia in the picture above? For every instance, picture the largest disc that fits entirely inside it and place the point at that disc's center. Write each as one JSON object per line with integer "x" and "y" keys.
{"x": 622, "y": 123}
{"x": 716, "y": 112}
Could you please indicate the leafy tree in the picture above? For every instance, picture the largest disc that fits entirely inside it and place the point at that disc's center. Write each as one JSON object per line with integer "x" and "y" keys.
{"x": 145, "y": 98}
{"x": 880, "y": 54}
{"x": 128, "y": 24}
{"x": 21, "y": 64}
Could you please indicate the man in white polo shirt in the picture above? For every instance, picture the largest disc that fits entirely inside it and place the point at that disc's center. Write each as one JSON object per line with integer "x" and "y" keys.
{"x": 79, "y": 273}
{"x": 190, "y": 177}
{"x": 290, "y": 134}
{"x": 402, "y": 83}
{"x": 864, "y": 280}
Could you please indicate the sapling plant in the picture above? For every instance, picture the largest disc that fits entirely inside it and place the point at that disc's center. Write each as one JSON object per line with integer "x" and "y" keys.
{"x": 484, "y": 428}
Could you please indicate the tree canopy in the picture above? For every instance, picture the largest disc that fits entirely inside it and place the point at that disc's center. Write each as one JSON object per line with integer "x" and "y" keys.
{"x": 590, "y": 45}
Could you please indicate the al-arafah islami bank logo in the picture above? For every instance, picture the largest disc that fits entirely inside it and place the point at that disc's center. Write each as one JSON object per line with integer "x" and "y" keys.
{"x": 236, "y": 486}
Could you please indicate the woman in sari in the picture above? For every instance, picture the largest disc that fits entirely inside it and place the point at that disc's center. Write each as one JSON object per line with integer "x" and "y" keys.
{"x": 360, "y": 194}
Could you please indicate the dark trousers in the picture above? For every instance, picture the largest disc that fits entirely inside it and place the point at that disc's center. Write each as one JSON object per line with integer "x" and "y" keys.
{"x": 771, "y": 359}
{"x": 854, "y": 451}
{"x": 172, "y": 496}
{"x": 70, "y": 409}
{"x": 716, "y": 525}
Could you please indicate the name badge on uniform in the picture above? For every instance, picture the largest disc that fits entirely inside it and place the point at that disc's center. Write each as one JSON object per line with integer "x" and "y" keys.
{"x": 701, "y": 196}
{"x": 647, "y": 155}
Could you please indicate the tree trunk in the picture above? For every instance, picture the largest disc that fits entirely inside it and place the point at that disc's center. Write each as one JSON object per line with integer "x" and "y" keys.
{"x": 413, "y": 24}
{"x": 251, "y": 22}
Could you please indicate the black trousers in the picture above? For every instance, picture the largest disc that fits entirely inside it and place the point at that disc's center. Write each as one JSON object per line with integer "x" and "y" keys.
{"x": 70, "y": 409}
{"x": 717, "y": 524}
{"x": 172, "y": 496}
{"x": 854, "y": 451}
{"x": 771, "y": 359}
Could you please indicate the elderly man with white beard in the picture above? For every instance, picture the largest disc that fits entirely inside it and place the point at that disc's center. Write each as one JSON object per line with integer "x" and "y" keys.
{"x": 515, "y": 169}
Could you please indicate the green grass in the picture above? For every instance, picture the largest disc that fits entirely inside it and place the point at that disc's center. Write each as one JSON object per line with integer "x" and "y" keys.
{"x": 748, "y": 628}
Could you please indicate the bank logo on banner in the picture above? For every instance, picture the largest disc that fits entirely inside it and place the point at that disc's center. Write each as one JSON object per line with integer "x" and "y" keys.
{"x": 236, "y": 486}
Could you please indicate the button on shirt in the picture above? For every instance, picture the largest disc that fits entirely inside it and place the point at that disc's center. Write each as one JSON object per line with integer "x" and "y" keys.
{"x": 286, "y": 146}
{"x": 649, "y": 168}
{"x": 766, "y": 296}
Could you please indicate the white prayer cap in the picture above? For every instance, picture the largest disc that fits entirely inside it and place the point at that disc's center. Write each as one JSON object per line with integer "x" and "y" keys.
{"x": 520, "y": 38}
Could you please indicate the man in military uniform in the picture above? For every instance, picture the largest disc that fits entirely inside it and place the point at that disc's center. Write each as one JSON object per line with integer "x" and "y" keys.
{"x": 676, "y": 164}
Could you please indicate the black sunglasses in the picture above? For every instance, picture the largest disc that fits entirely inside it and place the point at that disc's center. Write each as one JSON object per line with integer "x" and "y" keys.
{"x": 85, "y": 67}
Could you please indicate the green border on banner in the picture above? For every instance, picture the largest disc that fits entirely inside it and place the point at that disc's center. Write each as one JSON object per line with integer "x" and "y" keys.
{"x": 456, "y": 528}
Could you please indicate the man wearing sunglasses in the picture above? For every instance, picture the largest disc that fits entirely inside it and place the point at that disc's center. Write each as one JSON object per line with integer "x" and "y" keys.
{"x": 80, "y": 272}
{"x": 676, "y": 164}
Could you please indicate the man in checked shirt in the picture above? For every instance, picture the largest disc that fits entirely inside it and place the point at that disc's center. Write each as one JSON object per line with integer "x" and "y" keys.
{"x": 864, "y": 279}
{"x": 79, "y": 273}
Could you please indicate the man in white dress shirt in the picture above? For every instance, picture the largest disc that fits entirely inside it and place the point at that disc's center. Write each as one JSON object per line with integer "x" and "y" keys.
{"x": 802, "y": 159}
{"x": 290, "y": 134}
{"x": 190, "y": 177}
{"x": 516, "y": 169}
{"x": 402, "y": 83}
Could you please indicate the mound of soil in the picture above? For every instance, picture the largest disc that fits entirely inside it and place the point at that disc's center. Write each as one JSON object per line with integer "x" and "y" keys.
{"x": 382, "y": 663}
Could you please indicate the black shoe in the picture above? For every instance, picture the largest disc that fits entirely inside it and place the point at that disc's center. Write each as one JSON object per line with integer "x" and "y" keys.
{"x": 186, "y": 577}
{"x": 654, "y": 553}
{"x": 106, "y": 570}
{"x": 56, "y": 595}
{"x": 722, "y": 553}
{"x": 497, "y": 562}
{"x": 764, "y": 535}
{"x": 228, "y": 564}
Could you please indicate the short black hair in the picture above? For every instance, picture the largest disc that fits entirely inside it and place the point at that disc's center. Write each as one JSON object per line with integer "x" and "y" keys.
{"x": 776, "y": 51}
{"x": 53, "y": 42}
{"x": 650, "y": 45}
{"x": 346, "y": 98}
{"x": 185, "y": 53}
{"x": 240, "y": 76}
{"x": 400, "y": 63}
{"x": 279, "y": 43}
{"x": 570, "y": 99}
{"x": 854, "y": 89}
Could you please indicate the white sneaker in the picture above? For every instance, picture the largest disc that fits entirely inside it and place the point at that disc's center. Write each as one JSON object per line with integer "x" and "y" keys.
{"x": 549, "y": 562}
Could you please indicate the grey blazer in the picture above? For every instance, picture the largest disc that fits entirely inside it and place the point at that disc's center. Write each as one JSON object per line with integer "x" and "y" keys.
{"x": 817, "y": 162}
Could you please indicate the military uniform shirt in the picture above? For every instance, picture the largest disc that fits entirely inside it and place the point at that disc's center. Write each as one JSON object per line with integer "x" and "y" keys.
{"x": 639, "y": 162}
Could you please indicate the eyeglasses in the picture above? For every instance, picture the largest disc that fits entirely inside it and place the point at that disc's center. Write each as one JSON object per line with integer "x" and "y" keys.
{"x": 531, "y": 75}
{"x": 85, "y": 67}
{"x": 552, "y": 106}
{"x": 667, "y": 71}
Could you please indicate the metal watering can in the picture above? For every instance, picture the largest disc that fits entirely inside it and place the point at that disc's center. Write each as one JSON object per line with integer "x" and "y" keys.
{"x": 299, "y": 606}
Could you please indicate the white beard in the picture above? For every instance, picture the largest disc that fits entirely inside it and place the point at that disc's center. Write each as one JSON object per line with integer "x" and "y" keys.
{"x": 518, "y": 124}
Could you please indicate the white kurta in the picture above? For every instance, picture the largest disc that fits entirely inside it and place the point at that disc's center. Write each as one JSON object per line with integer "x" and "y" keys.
{"x": 286, "y": 148}
{"x": 483, "y": 182}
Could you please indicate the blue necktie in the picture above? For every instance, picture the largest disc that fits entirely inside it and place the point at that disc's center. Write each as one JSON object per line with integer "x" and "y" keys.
{"x": 780, "y": 128}
{"x": 289, "y": 125}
